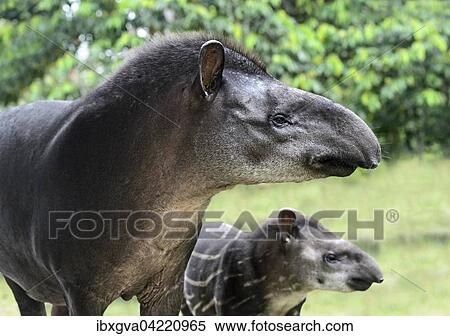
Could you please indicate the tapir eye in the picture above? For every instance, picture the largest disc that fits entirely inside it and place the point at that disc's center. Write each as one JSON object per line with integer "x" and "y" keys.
{"x": 279, "y": 120}
{"x": 330, "y": 258}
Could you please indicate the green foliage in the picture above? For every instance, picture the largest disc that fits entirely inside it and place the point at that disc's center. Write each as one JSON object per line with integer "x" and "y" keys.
{"x": 386, "y": 60}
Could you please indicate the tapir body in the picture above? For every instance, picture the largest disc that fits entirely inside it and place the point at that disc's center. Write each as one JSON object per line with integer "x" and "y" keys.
{"x": 186, "y": 117}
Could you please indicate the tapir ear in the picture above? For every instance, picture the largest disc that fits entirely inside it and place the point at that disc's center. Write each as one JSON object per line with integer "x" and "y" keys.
{"x": 286, "y": 220}
{"x": 211, "y": 63}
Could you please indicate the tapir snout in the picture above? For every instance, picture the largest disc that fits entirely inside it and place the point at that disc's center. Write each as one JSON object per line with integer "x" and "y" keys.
{"x": 368, "y": 273}
{"x": 340, "y": 141}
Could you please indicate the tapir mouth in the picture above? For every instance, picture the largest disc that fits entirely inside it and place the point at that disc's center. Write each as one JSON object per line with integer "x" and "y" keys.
{"x": 359, "y": 284}
{"x": 334, "y": 165}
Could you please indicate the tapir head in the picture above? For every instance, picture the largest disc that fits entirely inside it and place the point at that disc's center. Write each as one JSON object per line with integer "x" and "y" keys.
{"x": 255, "y": 129}
{"x": 317, "y": 259}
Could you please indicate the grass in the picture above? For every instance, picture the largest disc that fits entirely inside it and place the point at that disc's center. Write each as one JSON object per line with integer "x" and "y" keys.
{"x": 414, "y": 255}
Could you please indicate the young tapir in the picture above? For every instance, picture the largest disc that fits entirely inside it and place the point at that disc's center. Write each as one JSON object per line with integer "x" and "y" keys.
{"x": 271, "y": 270}
{"x": 187, "y": 116}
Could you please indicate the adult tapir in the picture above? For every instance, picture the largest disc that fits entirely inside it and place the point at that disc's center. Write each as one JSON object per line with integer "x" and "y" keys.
{"x": 186, "y": 117}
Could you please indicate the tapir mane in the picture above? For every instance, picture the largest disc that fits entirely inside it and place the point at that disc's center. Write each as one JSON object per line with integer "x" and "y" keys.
{"x": 173, "y": 58}
{"x": 307, "y": 227}
{"x": 189, "y": 44}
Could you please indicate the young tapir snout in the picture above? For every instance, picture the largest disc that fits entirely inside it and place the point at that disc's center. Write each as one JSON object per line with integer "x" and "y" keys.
{"x": 271, "y": 270}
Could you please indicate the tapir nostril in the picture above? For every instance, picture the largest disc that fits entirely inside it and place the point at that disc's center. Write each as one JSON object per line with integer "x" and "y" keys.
{"x": 369, "y": 164}
{"x": 380, "y": 280}
{"x": 371, "y": 161}
{"x": 373, "y": 164}
{"x": 372, "y": 156}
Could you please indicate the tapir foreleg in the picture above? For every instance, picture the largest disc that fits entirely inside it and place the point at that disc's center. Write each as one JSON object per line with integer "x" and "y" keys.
{"x": 27, "y": 305}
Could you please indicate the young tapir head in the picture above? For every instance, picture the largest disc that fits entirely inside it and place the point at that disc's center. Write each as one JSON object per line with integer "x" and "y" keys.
{"x": 253, "y": 128}
{"x": 315, "y": 258}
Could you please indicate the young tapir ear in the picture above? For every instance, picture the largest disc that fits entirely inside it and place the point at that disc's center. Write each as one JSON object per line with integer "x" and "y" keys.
{"x": 211, "y": 63}
{"x": 286, "y": 220}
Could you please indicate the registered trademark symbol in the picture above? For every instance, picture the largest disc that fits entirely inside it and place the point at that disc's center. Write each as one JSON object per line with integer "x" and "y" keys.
{"x": 392, "y": 215}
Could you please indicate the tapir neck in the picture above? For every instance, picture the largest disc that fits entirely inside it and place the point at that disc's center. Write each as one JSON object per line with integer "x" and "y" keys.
{"x": 146, "y": 147}
{"x": 281, "y": 293}
{"x": 259, "y": 282}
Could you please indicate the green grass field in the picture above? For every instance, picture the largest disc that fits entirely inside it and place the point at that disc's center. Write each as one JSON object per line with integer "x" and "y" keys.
{"x": 414, "y": 253}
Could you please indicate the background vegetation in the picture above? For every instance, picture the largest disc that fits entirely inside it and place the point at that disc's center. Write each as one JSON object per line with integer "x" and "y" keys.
{"x": 387, "y": 60}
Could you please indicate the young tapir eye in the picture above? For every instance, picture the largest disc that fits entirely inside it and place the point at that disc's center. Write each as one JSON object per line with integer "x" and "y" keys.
{"x": 279, "y": 120}
{"x": 330, "y": 258}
